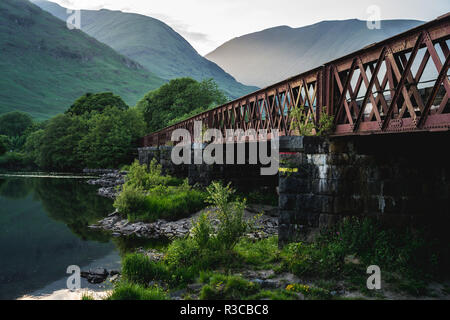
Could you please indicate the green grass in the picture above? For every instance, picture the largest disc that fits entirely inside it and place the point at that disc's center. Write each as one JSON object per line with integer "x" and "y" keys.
{"x": 372, "y": 243}
{"x": 170, "y": 203}
{"x": 48, "y": 66}
{"x": 138, "y": 268}
{"x": 147, "y": 195}
{"x": 224, "y": 287}
{"x": 132, "y": 291}
{"x": 173, "y": 205}
{"x": 262, "y": 254}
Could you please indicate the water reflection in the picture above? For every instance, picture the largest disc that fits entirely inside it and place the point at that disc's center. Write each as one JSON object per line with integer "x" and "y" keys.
{"x": 44, "y": 228}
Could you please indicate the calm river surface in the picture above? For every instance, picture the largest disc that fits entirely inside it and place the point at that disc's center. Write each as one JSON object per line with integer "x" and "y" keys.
{"x": 43, "y": 230}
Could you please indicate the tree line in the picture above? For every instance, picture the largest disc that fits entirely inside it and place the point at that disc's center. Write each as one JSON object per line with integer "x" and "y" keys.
{"x": 99, "y": 130}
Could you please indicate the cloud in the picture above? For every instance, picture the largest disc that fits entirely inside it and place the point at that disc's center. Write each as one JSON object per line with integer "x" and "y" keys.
{"x": 184, "y": 29}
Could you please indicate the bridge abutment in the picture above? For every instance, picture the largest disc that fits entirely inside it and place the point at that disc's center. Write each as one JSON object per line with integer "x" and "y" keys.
{"x": 404, "y": 180}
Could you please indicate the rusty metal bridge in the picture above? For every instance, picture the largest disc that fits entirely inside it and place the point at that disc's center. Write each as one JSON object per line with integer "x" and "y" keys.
{"x": 379, "y": 89}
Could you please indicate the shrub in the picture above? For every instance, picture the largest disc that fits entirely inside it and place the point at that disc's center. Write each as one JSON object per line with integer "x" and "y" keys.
{"x": 181, "y": 253}
{"x": 326, "y": 124}
{"x": 232, "y": 225}
{"x": 223, "y": 287}
{"x": 301, "y": 122}
{"x": 132, "y": 291}
{"x": 138, "y": 268}
{"x": 131, "y": 201}
{"x": 305, "y": 125}
{"x": 202, "y": 231}
{"x": 147, "y": 178}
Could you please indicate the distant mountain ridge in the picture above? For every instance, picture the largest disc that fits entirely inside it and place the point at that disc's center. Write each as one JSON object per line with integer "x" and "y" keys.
{"x": 45, "y": 66}
{"x": 274, "y": 54}
{"x": 152, "y": 43}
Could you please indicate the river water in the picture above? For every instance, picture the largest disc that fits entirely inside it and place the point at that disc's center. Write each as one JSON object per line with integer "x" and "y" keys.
{"x": 43, "y": 230}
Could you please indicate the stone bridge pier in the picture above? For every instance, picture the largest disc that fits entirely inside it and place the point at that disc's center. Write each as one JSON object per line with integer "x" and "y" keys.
{"x": 403, "y": 179}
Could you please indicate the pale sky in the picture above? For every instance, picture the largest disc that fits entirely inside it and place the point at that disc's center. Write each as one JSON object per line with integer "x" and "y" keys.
{"x": 206, "y": 24}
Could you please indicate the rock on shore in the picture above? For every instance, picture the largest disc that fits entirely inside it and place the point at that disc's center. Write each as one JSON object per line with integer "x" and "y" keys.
{"x": 109, "y": 181}
{"x": 265, "y": 226}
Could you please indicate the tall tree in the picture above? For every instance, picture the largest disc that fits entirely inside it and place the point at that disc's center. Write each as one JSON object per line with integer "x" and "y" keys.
{"x": 96, "y": 102}
{"x": 112, "y": 138}
{"x": 177, "y": 100}
{"x": 3, "y": 144}
{"x": 14, "y": 124}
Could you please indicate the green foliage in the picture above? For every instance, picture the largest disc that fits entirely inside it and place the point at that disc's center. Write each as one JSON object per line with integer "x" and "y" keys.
{"x": 162, "y": 202}
{"x": 147, "y": 195}
{"x": 58, "y": 144}
{"x": 138, "y": 268}
{"x": 13, "y": 124}
{"x": 224, "y": 287}
{"x": 149, "y": 177}
{"x": 14, "y": 161}
{"x": 230, "y": 213}
{"x": 111, "y": 137}
{"x": 210, "y": 246}
{"x": 131, "y": 201}
{"x": 326, "y": 124}
{"x": 132, "y": 291}
{"x": 371, "y": 243}
{"x": 181, "y": 253}
{"x": 177, "y": 100}
{"x": 96, "y": 102}
{"x": 71, "y": 143}
{"x": 305, "y": 126}
{"x": 261, "y": 254}
{"x": 202, "y": 231}
{"x": 301, "y": 122}
{"x": 4, "y": 144}
{"x": 171, "y": 203}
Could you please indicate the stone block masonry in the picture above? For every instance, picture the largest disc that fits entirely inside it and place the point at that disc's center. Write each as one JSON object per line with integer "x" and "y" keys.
{"x": 244, "y": 177}
{"x": 403, "y": 180}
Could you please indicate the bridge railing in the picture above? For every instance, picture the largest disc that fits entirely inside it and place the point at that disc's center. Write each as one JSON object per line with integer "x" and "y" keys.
{"x": 378, "y": 89}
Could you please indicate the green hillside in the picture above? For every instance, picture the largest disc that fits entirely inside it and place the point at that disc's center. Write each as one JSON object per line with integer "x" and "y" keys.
{"x": 45, "y": 66}
{"x": 153, "y": 44}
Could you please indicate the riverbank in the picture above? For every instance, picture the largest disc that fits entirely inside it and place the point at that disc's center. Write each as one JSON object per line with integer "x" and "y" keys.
{"x": 195, "y": 264}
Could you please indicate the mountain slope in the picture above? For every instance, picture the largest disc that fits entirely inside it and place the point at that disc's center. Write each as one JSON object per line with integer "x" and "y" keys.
{"x": 271, "y": 55}
{"x": 152, "y": 43}
{"x": 45, "y": 66}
